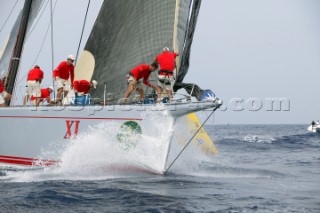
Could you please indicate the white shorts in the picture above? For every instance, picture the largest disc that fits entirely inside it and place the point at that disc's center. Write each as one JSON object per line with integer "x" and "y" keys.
{"x": 139, "y": 83}
{"x": 2, "y": 97}
{"x": 62, "y": 83}
{"x": 165, "y": 82}
{"x": 33, "y": 88}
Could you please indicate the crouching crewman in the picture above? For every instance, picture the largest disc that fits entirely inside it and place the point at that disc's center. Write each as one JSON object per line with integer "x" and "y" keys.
{"x": 81, "y": 89}
{"x": 45, "y": 96}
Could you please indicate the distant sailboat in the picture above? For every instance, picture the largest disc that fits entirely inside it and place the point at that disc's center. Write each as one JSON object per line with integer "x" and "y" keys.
{"x": 314, "y": 127}
{"x": 126, "y": 33}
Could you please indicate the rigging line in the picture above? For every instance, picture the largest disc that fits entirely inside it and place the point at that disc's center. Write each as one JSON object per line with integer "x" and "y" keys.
{"x": 83, "y": 26}
{"x": 52, "y": 50}
{"x": 5, "y": 22}
{"x": 191, "y": 139}
{"x": 44, "y": 36}
{"x": 43, "y": 41}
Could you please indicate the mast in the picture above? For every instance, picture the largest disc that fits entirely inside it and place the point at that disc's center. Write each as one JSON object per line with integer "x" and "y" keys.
{"x": 15, "y": 59}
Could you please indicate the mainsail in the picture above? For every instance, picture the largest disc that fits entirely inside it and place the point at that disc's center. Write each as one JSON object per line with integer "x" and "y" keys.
{"x": 134, "y": 32}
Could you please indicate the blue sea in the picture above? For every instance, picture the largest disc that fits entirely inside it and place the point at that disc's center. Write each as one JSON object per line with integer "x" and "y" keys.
{"x": 258, "y": 168}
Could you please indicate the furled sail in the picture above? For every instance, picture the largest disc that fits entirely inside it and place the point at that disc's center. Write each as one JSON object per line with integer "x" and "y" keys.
{"x": 128, "y": 33}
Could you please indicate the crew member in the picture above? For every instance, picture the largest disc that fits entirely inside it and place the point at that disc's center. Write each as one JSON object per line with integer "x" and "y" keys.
{"x": 135, "y": 77}
{"x": 81, "y": 89}
{"x": 4, "y": 96}
{"x": 166, "y": 61}
{"x": 45, "y": 96}
{"x": 61, "y": 75}
{"x": 34, "y": 80}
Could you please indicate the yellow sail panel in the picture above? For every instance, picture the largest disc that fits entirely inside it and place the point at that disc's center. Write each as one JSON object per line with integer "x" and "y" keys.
{"x": 85, "y": 66}
{"x": 4, "y": 47}
{"x": 202, "y": 139}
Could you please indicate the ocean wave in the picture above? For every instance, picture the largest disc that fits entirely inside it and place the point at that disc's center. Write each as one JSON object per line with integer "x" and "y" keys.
{"x": 237, "y": 172}
{"x": 298, "y": 141}
{"x": 258, "y": 139}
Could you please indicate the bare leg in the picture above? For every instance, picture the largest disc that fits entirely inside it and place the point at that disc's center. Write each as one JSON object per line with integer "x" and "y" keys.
{"x": 58, "y": 98}
{"x": 169, "y": 93}
{"x": 140, "y": 91}
{"x": 7, "y": 98}
{"x": 131, "y": 87}
{"x": 37, "y": 101}
{"x": 25, "y": 100}
{"x": 65, "y": 93}
{"x": 159, "y": 91}
{"x": 129, "y": 91}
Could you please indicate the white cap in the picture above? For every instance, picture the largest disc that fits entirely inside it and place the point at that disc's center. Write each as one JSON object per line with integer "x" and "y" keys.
{"x": 94, "y": 83}
{"x": 167, "y": 49}
{"x": 71, "y": 57}
{"x": 51, "y": 87}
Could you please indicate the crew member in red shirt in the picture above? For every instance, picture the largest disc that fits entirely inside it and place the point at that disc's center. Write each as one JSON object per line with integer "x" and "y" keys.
{"x": 34, "y": 80}
{"x": 81, "y": 89}
{"x": 4, "y": 96}
{"x": 45, "y": 95}
{"x": 61, "y": 75}
{"x": 166, "y": 61}
{"x": 135, "y": 79}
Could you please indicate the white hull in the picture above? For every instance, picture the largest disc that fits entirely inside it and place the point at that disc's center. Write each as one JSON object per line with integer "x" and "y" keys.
{"x": 27, "y": 131}
{"x": 315, "y": 128}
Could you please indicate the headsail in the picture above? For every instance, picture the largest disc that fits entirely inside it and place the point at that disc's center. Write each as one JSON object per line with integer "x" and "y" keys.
{"x": 134, "y": 35}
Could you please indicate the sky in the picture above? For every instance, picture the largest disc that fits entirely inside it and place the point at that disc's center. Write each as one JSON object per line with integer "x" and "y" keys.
{"x": 254, "y": 55}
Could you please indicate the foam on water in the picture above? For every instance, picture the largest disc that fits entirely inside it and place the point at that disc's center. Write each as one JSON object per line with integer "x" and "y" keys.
{"x": 258, "y": 139}
{"x": 194, "y": 163}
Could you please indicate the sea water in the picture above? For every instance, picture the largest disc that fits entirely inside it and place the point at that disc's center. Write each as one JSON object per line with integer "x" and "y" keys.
{"x": 258, "y": 168}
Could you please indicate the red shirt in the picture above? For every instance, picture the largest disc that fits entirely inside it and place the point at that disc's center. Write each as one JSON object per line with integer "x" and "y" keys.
{"x": 81, "y": 86}
{"x": 64, "y": 71}
{"x": 35, "y": 75}
{"x": 166, "y": 61}
{"x": 1, "y": 86}
{"x": 45, "y": 93}
{"x": 54, "y": 73}
{"x": 142, "y": 71}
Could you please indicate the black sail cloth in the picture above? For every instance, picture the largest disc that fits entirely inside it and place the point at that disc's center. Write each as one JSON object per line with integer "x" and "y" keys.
{"x": 128, "y": 33}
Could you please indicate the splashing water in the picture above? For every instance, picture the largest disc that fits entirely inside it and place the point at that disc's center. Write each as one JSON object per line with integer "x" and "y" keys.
{"x": 97, "y": 154}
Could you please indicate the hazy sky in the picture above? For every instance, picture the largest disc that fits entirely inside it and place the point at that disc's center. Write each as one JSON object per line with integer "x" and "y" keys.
{"x": 246, "y": 51}
{"x": 259, "y": 49}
